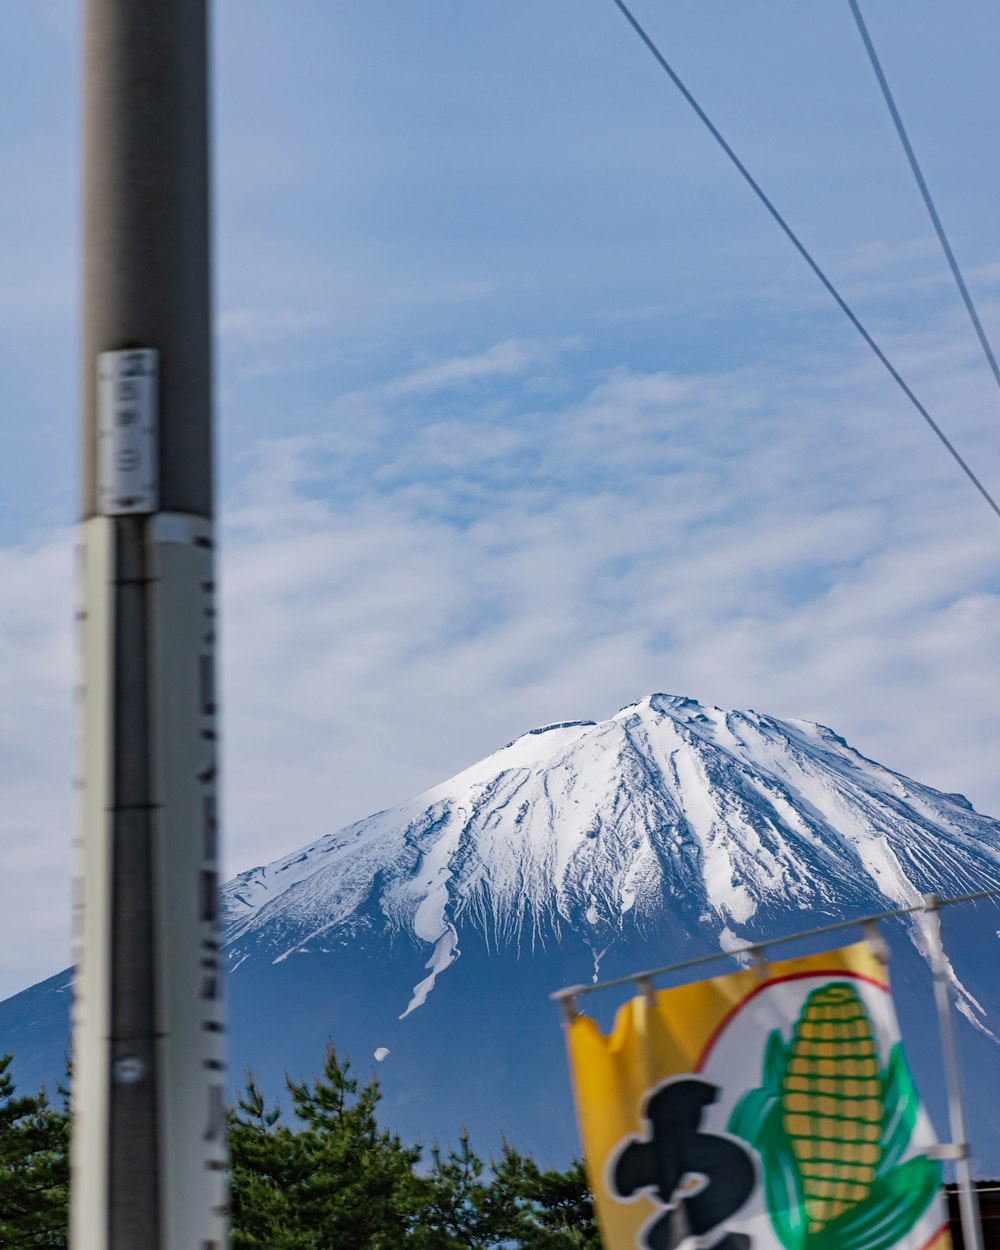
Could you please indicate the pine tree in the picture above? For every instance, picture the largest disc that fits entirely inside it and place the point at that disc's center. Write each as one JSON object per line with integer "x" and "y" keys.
{"x": 261, "y": 1161}
{"x": 34, "y": 1169}
{"x": 456, "y": 1207}
{"x": 554, "y": 1209}
{"x": 333, "y": 1180}
{"x": 327, "y": 1179}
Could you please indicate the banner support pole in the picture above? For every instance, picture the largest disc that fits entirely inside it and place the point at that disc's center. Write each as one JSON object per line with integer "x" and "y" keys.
{"x": 968, "y": 1199}
{"x": 645, "y": 988}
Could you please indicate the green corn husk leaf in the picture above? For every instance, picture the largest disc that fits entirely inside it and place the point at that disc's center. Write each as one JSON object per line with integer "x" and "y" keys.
{"x": 900, "y": 1194}
{"x": 757, "y": 1119}
{"x": 775, "y": 1062}
{"x": 901, "y": 1103}
{"x": 897, "y": 1200}
{"x": 782, "y": 1185}
{"x": 749, "y": 1116}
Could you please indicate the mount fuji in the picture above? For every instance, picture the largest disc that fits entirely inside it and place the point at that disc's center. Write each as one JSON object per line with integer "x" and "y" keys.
{"x": 424, "y": 940}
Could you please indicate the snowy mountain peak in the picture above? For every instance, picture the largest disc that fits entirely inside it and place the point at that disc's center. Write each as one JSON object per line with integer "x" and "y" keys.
{"x": 426, "y": 938}
{"x": 724, "y": 821}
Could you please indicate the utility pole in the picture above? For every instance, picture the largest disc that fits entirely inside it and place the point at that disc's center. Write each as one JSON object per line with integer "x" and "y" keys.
{"x": 148, "y": 1154}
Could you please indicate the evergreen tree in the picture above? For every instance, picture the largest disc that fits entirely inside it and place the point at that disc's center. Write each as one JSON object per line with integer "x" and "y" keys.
{"x": 34, "y": 1169}
{"x": 456, "y": 1208}
{"x": 261, "y": 1162}
{"x": 328, "y": 1179}
{"x": 554, "y": 1209}
{"x": 334, "y": 1180}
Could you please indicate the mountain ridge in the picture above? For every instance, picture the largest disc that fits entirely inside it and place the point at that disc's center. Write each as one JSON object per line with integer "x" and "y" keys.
{"x": 580, "y": 822}
{"x": 427, "y": 937}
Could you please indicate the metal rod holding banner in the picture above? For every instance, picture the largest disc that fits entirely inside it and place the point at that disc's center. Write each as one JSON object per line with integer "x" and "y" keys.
{"x": 967, "y": 1198}
{"x": 645, "y": 1023}
{"x": 744, "y": 1112}
{"x": 148, "y": 1149}
{"x": 575, "y": 991}
{"x": 957, "y": 1149}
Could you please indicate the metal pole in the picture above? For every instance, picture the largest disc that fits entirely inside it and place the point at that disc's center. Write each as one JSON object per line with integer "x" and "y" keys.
{"x": 967, "y": 1198}
{"x": 865, "y": 922}
{"x": 148, "y": 1164}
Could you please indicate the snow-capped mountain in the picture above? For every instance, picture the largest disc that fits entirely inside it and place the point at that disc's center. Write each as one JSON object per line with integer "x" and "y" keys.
{"x": 595, "y": 828}
{"x": 429, "y": 934}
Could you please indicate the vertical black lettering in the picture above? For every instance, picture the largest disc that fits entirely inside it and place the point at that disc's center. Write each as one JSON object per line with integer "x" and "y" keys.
{"x": 209, "y": 882}
{"x": 216, "y": 1114}
{"x": 210, "y": 827}
{"x": 206, "y": 684}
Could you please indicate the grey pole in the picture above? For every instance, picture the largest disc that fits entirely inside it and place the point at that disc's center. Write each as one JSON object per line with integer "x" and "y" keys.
{"x": 148, "y": 1163}
{"x": 146, "y": 226}
{"x": 968, "y": 1200}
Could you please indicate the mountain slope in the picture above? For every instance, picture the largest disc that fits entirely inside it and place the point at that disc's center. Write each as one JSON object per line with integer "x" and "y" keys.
{"x": 599, "y": 828}
{"x": 430, "y": 934}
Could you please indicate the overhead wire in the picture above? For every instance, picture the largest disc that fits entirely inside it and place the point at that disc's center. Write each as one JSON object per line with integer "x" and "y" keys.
{"x": 925, "y": 190}
{"x": 804, "y": 252}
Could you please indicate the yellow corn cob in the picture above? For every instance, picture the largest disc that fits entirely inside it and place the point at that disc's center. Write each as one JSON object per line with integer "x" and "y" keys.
{"x": 832, "y": 1103}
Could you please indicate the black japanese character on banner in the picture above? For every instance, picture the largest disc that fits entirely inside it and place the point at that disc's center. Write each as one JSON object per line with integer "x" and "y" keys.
{"x": 702, "y": 1179}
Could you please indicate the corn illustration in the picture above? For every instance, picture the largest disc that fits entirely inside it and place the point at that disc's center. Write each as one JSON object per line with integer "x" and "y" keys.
{"x": 832, "y": 1103}
{"x": 831, "y": 1127}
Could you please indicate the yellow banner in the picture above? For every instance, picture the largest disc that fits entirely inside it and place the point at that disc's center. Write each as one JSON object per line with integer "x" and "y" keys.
{"x": 769, "y": 1109}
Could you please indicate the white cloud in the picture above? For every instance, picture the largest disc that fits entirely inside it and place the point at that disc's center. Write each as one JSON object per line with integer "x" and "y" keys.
{"x": 500, "y": 360}
{"x": 498, "y": 538}
{"x": 754, "y": 539}
{"x": 440, "y": 571}
{"x": 258, "y": 324}
{"x": 36, "y": 758}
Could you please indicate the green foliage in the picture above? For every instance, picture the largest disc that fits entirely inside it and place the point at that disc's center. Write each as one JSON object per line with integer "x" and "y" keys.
{"x": 34, "y": 1168}
{"x": 554, "y": 1209}
{"x": 325, "y": 1178}
{"x": 454, "y": 1207}
{"x": 331, "y": 1177}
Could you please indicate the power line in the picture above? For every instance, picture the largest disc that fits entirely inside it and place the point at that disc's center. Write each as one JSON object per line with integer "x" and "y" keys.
{"x": 805, "y": 253}
{"x": 924, "y": 190}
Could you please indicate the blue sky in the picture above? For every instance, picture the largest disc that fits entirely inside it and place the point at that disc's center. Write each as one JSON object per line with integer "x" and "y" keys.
{"x": 526, "y": 408}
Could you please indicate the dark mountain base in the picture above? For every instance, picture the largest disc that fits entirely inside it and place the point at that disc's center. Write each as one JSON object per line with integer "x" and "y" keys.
{"x": 486, "y": 1052}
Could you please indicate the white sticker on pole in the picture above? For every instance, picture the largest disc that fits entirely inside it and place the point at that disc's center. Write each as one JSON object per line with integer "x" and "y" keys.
{"x": 127, "y": 394}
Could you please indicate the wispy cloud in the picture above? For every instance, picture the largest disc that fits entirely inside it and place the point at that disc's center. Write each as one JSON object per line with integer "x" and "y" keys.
{"x": 502, "y": 360}
{"x": 473, "y": 525}
{"x": 258, "y": 324}
{"x": 450, "y": 562}
{"x": 36, "y": 756}
{"x": 755, "y": 538}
